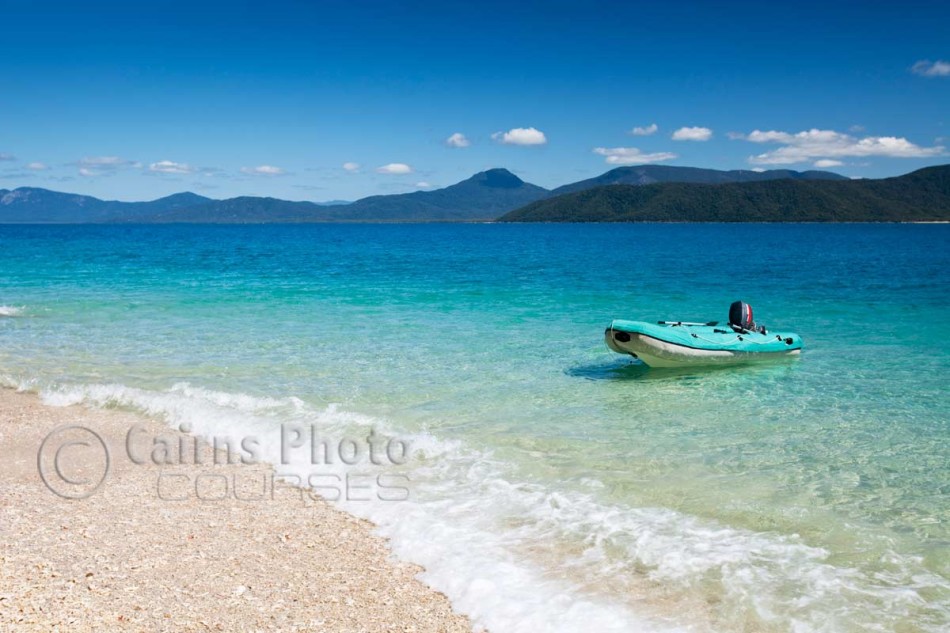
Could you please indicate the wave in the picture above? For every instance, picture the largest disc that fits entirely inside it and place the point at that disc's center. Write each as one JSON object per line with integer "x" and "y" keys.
{"x": 519, "y": 555}
{"x": 12, "y": 311}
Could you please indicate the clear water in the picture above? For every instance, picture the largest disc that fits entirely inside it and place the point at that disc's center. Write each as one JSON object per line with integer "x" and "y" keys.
{"x": 555, "y": 486}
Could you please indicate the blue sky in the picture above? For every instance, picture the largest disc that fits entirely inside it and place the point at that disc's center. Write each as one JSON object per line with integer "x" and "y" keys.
{"x": 131, "y": 101}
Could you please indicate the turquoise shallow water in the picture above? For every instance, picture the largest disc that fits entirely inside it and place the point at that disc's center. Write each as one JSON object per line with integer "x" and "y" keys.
{"x": 554, "y": 485}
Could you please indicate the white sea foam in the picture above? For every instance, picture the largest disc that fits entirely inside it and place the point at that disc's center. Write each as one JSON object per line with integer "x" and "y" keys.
{"x": 487, "y": 539}
{"x": 12, "y": 311}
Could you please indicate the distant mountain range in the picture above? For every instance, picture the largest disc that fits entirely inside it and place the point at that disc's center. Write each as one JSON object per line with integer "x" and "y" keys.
{"x": 484, "y": 196}
{"x": 923, "y": 195}
{"x": 42, "y": 206}
{"x": 641, "y": 192}
{"x": 651, "y": 174}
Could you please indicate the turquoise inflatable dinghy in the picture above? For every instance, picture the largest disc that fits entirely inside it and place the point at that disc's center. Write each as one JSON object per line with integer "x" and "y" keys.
{"x": 683, "y": 344}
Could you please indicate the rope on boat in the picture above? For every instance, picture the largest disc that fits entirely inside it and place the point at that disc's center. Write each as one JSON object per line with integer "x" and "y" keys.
{"x": 737, "y": 338}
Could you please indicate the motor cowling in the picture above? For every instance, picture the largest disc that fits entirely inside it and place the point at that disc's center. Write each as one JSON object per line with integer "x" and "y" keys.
{"x": 740, "y": 315}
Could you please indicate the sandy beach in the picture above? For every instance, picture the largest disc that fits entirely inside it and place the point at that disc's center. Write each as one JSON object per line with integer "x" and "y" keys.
{"x": 124, "y": 558}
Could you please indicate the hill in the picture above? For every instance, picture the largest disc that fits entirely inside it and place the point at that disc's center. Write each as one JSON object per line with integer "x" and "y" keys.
{"x": 727, "y": 196}
{"x": 923, "y": 195}
{"x": 31, "y": 204}
{"x": 484, "y": 196}
{"x": 651, "y": 174}
{"x": 240, "y": 210}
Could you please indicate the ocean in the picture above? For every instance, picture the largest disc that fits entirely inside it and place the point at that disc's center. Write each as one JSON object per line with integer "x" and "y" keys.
{"x": 550, "y": 484}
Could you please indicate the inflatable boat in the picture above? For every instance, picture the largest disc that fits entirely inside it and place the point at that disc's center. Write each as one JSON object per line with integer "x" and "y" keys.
{"x": 682, "y": 344}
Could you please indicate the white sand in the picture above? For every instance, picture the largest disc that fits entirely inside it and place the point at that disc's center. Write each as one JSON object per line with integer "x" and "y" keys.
{"x": 124, "y": 559}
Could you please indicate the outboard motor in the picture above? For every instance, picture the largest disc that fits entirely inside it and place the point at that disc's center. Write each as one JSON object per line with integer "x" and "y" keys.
{"x": 740, "y": 317}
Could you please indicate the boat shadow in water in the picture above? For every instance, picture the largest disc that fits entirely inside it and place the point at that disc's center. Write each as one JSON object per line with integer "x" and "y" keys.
{"x": 626, "y": 370}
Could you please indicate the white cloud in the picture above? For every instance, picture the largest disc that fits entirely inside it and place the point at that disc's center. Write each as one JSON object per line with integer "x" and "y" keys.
{"x": 5, "y": 156}
{"x": 814, "y": 144}
{"x": 631, "y": 156}
{"x": 645, "y": 131}
{"x": 692, "y": 134}
{"x": 422, "y": 184}
{"x": 170, "y": 167}
{"x": 263, "y": 170}
{"x": 394, "y": 169}
{"x": 758, "y": 170}
{"x": 828, "y": 162}
{"x": 106, "y": 163}
{"x": 928, "y": 68}
{"x": 351, "y": 167}
{"x": 36, "y": 166}
{"x": 758, "y": 136}
{"x": 457, "y": 140}
{"x": 90, "y": 166}
{"x": 521, "y": 136}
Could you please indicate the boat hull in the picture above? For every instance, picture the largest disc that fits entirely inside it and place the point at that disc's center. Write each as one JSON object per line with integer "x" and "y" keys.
{"x": 684, "y": 346}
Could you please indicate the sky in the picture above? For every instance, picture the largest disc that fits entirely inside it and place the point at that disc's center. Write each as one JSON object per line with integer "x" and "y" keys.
{"x": 324, "y": 100}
